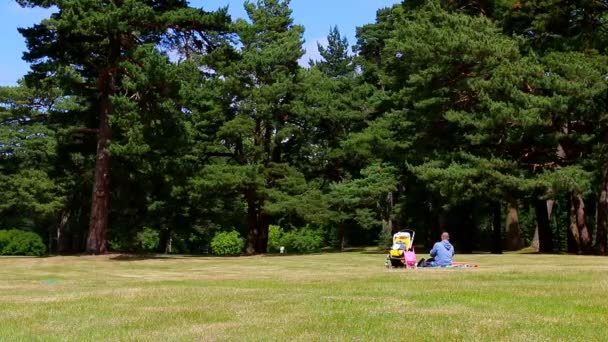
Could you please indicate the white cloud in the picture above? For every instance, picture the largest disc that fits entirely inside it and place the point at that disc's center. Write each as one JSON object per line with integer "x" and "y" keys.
{"x": 312, "y": 52}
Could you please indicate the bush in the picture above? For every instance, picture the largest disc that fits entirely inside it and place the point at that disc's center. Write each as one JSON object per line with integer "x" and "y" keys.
{"x": 147, "y": 240}
{"x": 275, "y": 237}
{"x": 303, "y": 240}
{"x": 18, "y": 242}
{"x": 227, "y": 243}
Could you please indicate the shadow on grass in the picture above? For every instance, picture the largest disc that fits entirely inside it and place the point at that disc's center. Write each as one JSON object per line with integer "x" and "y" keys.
{"x": 140, "y": 257}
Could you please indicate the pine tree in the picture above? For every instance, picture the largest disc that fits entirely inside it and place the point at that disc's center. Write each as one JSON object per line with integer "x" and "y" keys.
{"x": 248, "y": 129}
{"x": 91, "y": 46}
{"x": 336, "y": 60}
{"x": 30, "y": 195}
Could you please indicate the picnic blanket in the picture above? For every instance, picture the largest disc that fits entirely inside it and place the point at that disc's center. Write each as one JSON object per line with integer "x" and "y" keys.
{"x": 462, "y": 265}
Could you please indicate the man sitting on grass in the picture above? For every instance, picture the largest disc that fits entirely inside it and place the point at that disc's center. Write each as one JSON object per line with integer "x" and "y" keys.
{"x": 441, "y": 254}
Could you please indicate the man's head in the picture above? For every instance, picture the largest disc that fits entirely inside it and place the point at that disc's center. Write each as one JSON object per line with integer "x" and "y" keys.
{"x": 445, "y": 236}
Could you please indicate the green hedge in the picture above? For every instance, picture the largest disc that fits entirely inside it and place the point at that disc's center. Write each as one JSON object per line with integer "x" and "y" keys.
{"x": 147, "y": 240}
{"x": 227, "y": 243}
{"x": 19, "y": 242}
{"x": 302, "y": 240}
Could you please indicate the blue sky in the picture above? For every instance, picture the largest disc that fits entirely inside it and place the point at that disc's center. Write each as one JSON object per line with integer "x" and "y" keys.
{"x": 317, "y": 16}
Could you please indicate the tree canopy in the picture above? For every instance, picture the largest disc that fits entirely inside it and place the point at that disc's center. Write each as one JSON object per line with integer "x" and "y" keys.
{"x": 156, "y": 125}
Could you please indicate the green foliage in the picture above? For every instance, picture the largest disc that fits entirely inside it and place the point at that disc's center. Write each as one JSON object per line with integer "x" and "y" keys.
{"x": 18, "y": 242}
{"x": 147, "y": 240}
{"x": 275, "y": 238}
{"x": 446, "y": 111}
{"x": 303, "y": 240}
{"x": 336, "y": 61}
{"x": 385, "y": 237}
{"x": 227, "y": 243}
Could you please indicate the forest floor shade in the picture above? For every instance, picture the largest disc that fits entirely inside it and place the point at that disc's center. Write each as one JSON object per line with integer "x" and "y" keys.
{"x": 349, "y": 296}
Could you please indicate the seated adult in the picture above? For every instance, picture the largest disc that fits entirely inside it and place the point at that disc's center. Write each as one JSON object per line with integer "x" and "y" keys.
{"x": 441, "y": 254}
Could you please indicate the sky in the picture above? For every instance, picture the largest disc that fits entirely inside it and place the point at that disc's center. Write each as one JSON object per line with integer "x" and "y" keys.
{"x": 317, "y": 16}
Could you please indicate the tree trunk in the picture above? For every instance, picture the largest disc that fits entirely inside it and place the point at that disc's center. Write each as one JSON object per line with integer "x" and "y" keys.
{"x": 581, "y": 223}
{"x": 578, "y": 223}
{"x": 341, "y": 233}
{"x": 602, "y": 217}
{"x": 535, "y": 242}
{"x": 535, "y": 239}
{"x": 468, "y": 231}
{"x": 64, "y": 217}
{"x": 545, "y": 235}
{"x": 263, "y": 226}
{"x": 497, "y": 229}
{"x": 252, "y": 222}
{"x": 513, "y": 240}
{"x": 98, "y": 226}
{"x": 258, "y": 224}
{"x": 574, "y": 245}
{"x": 440, "y": 222}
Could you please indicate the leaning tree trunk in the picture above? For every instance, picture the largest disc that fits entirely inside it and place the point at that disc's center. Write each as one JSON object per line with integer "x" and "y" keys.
{"x": 545, "y": 235}
{"x": 602, "y": 218}
{"x": 513, "y": 240}
{"x": 98, "y": 226}
{"x": 497, "y": 229}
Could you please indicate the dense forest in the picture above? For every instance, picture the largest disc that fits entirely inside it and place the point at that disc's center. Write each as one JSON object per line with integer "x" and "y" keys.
{"x": 153, "y": 125}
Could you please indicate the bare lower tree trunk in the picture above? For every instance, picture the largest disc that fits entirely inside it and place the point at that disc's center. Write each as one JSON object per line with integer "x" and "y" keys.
{"x": 98, "y": 226}
{"x": 497, "y": 229}
{"x": 252, "y": 222}
{"x": 63, "y": 221}
{"x": 581, "y": 223}
{"x": 513, "y": 240}
{"x": 263, "y": 227}
{"x": 440, "y": 223}
{"x": 578, "y": 225}
{"x": 545, "y": 234}
{"x": 602, "y": 218}
{"x": 341, "y": 233}
{"x": 536, "y": 239}
{"x": 469, "y": 229}
{"x": 258, "y": 224}
{"x": 574, "y": 245}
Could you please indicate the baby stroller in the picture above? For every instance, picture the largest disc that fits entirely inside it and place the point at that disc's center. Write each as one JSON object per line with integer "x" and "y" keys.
{"x": 402, "y": 251}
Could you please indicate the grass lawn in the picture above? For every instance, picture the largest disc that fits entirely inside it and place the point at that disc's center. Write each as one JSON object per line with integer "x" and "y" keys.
{"x": 349, "y": 296}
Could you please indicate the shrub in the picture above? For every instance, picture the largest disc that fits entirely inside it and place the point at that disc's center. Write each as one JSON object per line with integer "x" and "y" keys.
{"x": 5, "y": 237}
{"x": 275, "y": 236}
{"x": 18, "y": 242}
{"x": 147, "y": 240}
{"x": 227, "y": 243}
{"x": 303, "y": 240}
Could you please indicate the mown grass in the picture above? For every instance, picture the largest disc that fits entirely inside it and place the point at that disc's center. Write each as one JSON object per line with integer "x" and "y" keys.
{"x": 329, "y": 297}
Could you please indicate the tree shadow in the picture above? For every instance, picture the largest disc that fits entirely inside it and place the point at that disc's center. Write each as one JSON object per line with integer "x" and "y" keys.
{"x": 141, "y": 257}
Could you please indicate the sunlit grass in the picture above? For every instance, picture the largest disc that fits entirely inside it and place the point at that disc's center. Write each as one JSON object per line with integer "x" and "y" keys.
{"x": 350, "y": 296}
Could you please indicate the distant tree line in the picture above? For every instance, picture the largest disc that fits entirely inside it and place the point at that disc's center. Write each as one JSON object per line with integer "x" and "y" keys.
{"x": 156, "y": 124}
